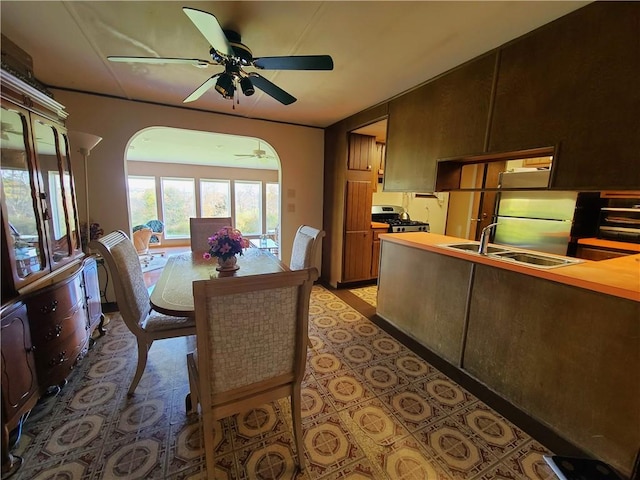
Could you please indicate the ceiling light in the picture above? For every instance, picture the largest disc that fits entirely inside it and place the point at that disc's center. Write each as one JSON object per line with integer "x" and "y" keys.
{"x": 247, "y": 86}
{"x": 225, "y": 86}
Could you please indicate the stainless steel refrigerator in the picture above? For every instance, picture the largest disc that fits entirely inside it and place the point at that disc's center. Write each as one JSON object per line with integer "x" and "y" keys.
{"x": 535, "y": 220}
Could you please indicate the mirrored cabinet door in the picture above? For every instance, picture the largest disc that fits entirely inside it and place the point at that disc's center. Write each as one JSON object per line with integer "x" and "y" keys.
{"x": 21, "y": 212}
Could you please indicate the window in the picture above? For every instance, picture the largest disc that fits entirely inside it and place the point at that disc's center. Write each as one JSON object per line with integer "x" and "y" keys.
{"x": 142, "y": 200}
{"x": 178, "y": 205}
{"x": 215, "y": 198}
{"x": 271, "y": 207}
{"x": 248, "y": 203}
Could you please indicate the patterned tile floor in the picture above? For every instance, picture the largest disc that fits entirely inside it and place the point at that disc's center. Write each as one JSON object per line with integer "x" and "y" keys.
{"x": 371, "y": 410}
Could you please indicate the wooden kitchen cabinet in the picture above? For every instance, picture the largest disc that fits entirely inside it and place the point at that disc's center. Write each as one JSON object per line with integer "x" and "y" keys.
{"x": 361, "y": 152}
{"x": 358, "y": 236}
{"x": 574, "y": 84}
{"x": 444, "y": 118}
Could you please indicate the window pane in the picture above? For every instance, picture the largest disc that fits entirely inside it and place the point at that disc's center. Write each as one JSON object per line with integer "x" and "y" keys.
{"x": 178, "y": 205}
{"x": 142, "y": 200}
{"x": 248, "y": 207}
{"x": 271, "y": 210}
{"x": 215, "y": 198}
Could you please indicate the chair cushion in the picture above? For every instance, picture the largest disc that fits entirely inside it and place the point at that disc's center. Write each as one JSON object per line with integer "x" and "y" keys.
{"x": 157, "y": 321}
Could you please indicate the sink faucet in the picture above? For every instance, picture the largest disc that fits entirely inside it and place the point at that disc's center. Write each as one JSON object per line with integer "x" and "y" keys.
{"x": 484, "y": 238}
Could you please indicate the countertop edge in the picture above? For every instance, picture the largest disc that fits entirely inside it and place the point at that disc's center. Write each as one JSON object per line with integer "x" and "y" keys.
{"x": 568, "y": 275}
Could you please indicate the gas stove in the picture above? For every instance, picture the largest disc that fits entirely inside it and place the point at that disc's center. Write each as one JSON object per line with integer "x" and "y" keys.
{"x": 390, "y": 214}
{"x": 398, "y": 226}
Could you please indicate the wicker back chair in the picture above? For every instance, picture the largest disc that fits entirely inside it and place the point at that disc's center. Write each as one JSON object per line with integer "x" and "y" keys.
{"x": 132, "y": 297}
{"x": 202, "y": 228}
{"x": 305, "y": 246}
{"x": 251, "y": 347}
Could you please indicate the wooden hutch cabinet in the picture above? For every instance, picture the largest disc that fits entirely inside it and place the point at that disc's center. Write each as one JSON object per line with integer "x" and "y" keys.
{"x": 50, "y": 293}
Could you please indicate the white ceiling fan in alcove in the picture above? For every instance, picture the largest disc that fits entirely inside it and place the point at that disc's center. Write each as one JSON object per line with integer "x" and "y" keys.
{"x": 257, "y": 153}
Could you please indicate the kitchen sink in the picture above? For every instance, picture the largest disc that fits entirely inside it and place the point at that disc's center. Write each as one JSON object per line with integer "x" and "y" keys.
{"x": 473, "y": 247}
{"x": 531, "y": 259}
{"x": 536, "y": 259}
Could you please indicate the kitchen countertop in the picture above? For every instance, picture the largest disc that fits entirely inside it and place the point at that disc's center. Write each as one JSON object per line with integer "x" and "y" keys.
{"x": 375, "y": 225}
{"x": 617, "y": 276}
{"x": 598, "y": 242}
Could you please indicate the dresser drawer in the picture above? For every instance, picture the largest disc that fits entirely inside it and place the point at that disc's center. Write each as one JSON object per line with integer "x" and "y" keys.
{"x": 53, "y": 302}
{"x": 57, "y": 355}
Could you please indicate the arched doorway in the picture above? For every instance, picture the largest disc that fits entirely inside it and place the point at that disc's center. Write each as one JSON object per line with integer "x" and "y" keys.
{"x": 174, "y": 174}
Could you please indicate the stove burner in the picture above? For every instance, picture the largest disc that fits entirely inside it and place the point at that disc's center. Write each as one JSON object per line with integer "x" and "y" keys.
{"x": 397, "y": 226}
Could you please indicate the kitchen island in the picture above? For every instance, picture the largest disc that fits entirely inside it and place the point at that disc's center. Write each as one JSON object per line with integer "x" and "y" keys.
{"x": 561, "y": 344}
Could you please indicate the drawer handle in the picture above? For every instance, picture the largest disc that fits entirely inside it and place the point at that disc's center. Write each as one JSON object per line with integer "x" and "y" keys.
{"x": 50, "y": 308}
{"x": 59, "y": 359}
{"x": 54, "y": 332}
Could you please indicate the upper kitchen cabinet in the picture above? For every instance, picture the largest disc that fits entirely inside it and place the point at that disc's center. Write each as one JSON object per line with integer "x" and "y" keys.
{"x": 573, "y": 84}
{"x": 362, "y": 150}
{"x": 39, "y": 216}
{"x": 444, "y": 118}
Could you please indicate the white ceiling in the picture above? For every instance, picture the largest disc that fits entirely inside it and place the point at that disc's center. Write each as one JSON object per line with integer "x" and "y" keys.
{"x": 380, "y": 49}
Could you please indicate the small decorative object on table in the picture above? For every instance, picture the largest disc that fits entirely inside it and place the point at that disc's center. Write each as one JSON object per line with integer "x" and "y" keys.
{"x": 225, "y": 244}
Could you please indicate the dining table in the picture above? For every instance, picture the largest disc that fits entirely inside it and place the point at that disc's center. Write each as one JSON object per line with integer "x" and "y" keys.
{"x": 173, "y": 293}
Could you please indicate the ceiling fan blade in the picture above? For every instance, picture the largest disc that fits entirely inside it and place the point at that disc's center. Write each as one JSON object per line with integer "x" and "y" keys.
{"x": 160, "y": 60}
{"x": 272, "y": 89}
{"x": 198, "y": 92}
{"x": 301, "y": 62}
{"x": 210, "y": 28}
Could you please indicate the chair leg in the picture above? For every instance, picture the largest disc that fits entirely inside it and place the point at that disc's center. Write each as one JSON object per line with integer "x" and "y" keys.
{"x": 194, "y": 395}
{"x": 296, "y": 413}
{"x": 207, "y": 425}
{"x": 143, "y": 350}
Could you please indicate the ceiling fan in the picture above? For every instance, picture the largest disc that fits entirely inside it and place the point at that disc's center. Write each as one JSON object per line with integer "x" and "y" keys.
{"x": 228, "y": 50}
{"x": 257, "y": 153}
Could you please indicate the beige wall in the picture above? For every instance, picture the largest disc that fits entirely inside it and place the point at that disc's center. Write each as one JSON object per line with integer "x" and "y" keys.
{"x": 300, "y": 149}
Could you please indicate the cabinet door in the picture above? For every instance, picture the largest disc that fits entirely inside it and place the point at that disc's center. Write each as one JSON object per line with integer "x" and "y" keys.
{"x": 24, "y": 258}
{"x": 444, "y": 118}
{"x": 19, "y": 381}
{"x": 357, "y": 241}
{"x": 357, "y": 256}
{"x": 58, "y": 192}
{"x": 574, "y": 83}
{"x": 358, "y": 205}
{"x": 92, "y": 292}
{"x": 361, "y": 152}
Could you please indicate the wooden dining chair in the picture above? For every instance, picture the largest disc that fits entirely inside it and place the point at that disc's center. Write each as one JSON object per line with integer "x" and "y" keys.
{"x": 251, "y": 347}
{"x": 305, "y": 247}
{"x": 133, "y": 302}
{"x": 202, "y": 228}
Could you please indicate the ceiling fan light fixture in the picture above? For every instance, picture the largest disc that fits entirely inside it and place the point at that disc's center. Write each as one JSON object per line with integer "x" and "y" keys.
{"x": 225, "y": 85}
{"x": 247, "y": 86}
